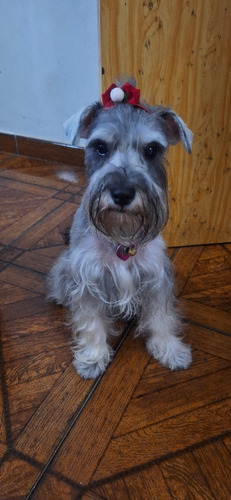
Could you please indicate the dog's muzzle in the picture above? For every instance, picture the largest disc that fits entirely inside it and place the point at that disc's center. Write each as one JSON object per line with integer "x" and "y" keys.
{"x": 127, "y": 213}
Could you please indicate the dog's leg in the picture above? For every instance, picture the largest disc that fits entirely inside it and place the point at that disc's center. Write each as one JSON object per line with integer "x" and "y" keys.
{"x": 58, "y": 280}
{"x": 163, "y": 341}
{"x": 161, "y": 323}
{"x": 91, "y": 351}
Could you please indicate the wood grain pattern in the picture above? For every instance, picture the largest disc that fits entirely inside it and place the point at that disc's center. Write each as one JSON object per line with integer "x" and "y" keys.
{"x": 157, "y": 406}
{"x": 209, "y": 316}
{"x": 61, "y": 404}
{"x": 143, "y": 484}
{"x": 180, "y": 55}
{"x": 184, "y": 260}
{"x": 221, "y": 484}
{"x": 82, "y": 464}
{"x": 185, "y": 479}
{"x": 14, "y": 484}
{"x": 215, "y": 342}
{"x": 156, "y": 377}
{"x": 51, "y": 488}
{"x": 139, "y": 431}
{"x": 155, "y": 441}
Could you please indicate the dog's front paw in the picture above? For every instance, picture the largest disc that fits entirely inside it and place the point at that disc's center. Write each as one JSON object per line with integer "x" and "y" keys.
{"x": 170, "y": 352}
{"x": 88, "y": 371}
{"x": 90, "y": 365}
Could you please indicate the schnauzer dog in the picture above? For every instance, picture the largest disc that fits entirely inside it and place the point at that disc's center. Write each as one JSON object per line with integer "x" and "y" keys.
{"x": 116, "y": 265}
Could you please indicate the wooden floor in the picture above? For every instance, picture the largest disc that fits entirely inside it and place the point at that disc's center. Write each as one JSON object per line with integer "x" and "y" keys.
{"x": 140, "y": 431}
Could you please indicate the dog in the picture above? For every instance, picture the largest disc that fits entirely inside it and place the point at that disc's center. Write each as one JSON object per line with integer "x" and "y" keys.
{"x": 116, "y": 264}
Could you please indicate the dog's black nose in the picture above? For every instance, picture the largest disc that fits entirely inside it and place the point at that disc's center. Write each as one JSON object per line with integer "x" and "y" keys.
{"x": 123, "y": 195}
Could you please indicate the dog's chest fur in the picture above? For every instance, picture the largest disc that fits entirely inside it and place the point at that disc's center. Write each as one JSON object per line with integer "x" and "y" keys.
{"x": 120, "y": 285}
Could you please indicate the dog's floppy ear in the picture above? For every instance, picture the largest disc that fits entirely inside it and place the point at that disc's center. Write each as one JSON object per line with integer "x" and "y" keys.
{"x": 79, "y": 124}
{"x": 176, "y": 129}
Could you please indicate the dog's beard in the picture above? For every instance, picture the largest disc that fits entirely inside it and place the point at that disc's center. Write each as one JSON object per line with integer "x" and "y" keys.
{"x": 122, "y": 227}
{"x": 125, "y": 226}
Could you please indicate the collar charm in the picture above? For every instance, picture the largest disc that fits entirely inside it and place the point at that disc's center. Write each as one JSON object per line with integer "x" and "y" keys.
{"x": 124, "y": 253}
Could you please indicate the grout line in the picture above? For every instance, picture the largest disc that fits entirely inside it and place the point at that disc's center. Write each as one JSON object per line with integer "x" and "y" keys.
{"x": 222, "y": 332}
{"x": 19, "y": 266}
{"x": 174, "y": 253}
{"x": 7, "y": 247}
{"x": 74, "y": 420}
{"x": 224, "y": 247}
{"x": 191, "y": 271}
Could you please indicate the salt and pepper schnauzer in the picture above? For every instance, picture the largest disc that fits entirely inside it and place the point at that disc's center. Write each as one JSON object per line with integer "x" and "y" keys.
{"x": 116, "y": 265}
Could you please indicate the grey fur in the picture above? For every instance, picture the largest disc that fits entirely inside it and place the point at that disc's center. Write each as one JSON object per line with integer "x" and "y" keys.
{"x": 125, "y": 203}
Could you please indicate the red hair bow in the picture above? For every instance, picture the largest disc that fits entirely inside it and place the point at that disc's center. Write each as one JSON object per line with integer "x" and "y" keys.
{"x": 131, "y": 96}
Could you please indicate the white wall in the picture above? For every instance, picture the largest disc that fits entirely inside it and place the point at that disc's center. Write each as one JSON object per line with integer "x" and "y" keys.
{"x": 49, "y": 64}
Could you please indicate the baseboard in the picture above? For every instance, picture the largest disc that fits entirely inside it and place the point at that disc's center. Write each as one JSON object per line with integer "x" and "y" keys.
{"x": 45, "y": 150}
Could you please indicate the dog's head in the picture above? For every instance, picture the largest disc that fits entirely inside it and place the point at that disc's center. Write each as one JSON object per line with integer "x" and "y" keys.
{"x": 126, "y": 198}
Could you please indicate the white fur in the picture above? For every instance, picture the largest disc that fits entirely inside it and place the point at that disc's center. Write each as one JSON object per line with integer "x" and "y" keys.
{"x": 91, "y": 351}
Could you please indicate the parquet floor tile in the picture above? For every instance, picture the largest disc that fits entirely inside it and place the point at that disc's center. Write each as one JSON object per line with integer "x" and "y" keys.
{"x": 139, "y": 431}
{"x": 17, "y": 475}
{"x": 184, "y": 478}
{"x": 218, "y": 479}
{"x": 54, "y": 488}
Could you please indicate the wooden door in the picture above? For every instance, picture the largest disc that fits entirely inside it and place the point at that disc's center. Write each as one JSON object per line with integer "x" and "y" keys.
{"x": 180, "y": 53}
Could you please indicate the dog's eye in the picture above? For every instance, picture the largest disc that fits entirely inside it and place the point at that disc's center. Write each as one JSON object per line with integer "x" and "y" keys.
{"x": 152, "y": 150}
{"x": 101, "y": 147}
